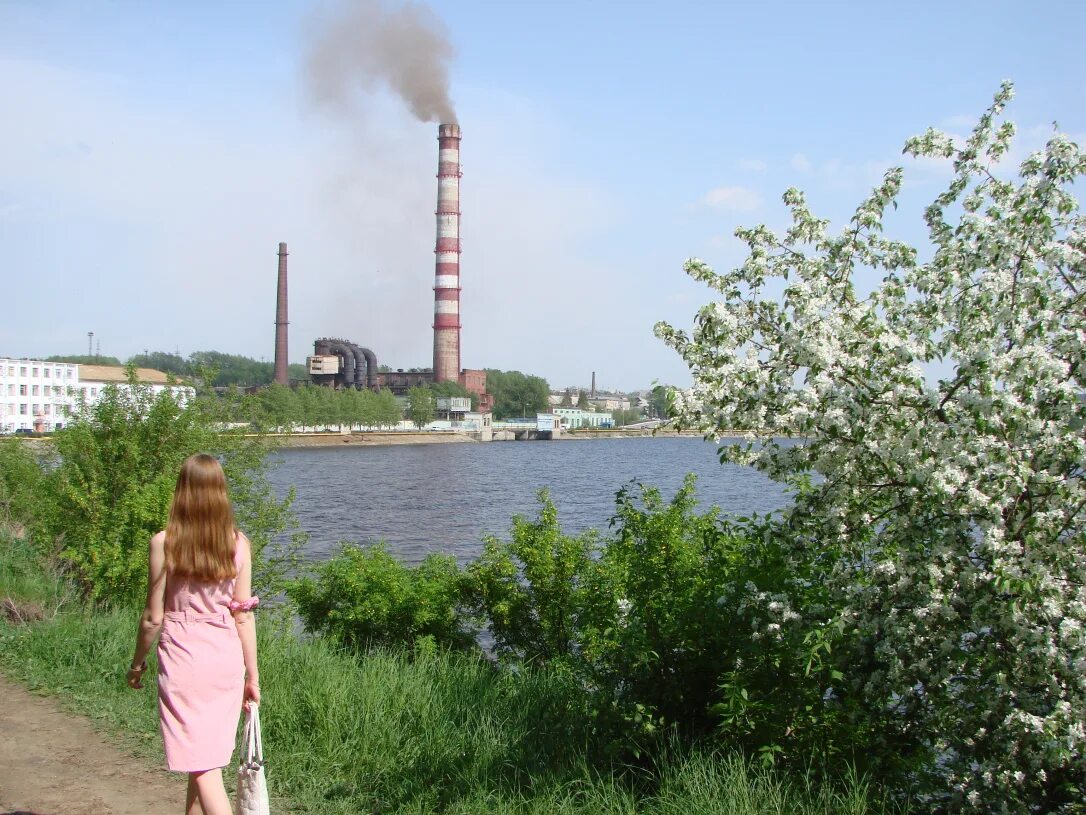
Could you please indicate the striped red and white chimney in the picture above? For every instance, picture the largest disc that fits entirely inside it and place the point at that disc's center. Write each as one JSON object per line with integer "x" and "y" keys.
{"x": 447, "y": 250}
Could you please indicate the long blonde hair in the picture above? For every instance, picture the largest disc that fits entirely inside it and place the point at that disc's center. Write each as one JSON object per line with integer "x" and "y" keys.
{"x": 200, "y": 531}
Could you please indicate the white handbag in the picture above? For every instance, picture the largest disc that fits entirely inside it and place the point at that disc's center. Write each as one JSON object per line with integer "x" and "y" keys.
{"x": 252, "y": 798}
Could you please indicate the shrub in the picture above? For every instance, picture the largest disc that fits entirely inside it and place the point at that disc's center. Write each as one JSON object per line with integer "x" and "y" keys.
{"x": 364, "y": 597}
{"x": 719, "y": 633}
{"x": 541, "y": 590}
{"x": 954, "y": 505}
{"x": 109, "y": 489}
{"x": 386, "y": 731}
{"x": 679, "y": 623}
{"x": 21, "y": 476}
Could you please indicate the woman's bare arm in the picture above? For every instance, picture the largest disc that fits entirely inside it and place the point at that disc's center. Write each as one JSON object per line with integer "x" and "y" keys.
{"x": 150, "y": 623}
{"x": 243, "y": 616}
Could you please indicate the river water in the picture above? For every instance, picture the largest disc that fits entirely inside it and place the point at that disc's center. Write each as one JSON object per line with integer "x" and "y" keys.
{"x": 445, "y": 497}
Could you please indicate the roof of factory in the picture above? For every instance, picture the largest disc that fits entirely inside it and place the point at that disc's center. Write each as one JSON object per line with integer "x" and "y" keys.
{"x": 113, "y": 373}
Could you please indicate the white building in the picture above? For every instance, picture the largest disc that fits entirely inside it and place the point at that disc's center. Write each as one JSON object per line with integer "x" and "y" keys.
{"x": 93, "y": 378}
{"x": 38, "y": 396}
{"x": 452, "y": 408}
{"x": 35, "y": 395}
{"x": 574, "y": 418}
{"x": 609, "y": 401}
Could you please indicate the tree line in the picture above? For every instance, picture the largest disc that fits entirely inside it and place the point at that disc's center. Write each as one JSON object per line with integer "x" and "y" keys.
{"x": 515, "y": 393}
{"x": 277, "y": 407}
{"x": 227, "y": 369}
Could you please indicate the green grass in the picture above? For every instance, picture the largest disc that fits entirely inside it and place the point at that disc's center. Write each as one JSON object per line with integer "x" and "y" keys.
{"x": 392, "y": 732}
{"x": 23, "y": 577}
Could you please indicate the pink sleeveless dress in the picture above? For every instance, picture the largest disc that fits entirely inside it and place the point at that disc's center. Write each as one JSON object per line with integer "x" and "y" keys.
{"x": 201, "y": 675}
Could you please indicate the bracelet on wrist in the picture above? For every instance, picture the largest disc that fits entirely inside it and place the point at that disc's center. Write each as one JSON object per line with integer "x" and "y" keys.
{"x": 141, "y": 667}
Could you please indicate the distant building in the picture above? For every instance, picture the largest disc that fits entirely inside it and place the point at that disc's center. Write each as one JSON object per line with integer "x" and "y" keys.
{"x": 92, "y": 378}
{"x": 452, "y": 408}
{"x": 477, "y": 421}
{"x": 40, "y": 396}
{"x": 401, "y": 381}
{"x": 455, "y": 413}
{"x": 574, "y": 418}
{"x": 548, "y": 422}
{"x": 609, "y": 401}
{"x": 474, "y": 381}
{"x": 36, "y": 395}
{"x": 600, "y": 401}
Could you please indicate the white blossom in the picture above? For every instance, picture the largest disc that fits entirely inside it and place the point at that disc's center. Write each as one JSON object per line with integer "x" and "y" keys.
{"x": 958, "y": 504}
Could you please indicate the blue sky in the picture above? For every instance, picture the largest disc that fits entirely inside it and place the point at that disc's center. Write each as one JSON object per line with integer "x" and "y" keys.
{"x": 152, "y": 155}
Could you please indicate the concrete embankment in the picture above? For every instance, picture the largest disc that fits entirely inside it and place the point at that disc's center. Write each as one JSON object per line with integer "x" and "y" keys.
{"x": 630, "y": 433}
{"x": 377, "y": 438}
{"x": 385, "y": 438}
{"x": 367, "y": 438}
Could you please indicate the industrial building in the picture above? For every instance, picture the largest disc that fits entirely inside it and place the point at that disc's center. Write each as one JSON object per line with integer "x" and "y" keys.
{"x": 38, "y": 396}
{"x": 471, "y": 379}
{"x": 574, "y": 418}
{"x": 341, "y": 363}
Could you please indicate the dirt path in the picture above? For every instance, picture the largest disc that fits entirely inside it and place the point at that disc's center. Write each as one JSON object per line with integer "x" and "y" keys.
{"x": 54, "y": 763}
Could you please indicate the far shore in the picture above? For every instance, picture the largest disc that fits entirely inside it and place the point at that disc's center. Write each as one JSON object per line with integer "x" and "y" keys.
{"x": 377, "y": 438}
{"x": 384, "y": 438}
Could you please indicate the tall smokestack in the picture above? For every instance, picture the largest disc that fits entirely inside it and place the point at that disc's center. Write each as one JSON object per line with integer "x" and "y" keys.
{"x": 281, "y": 375}
{"x": 447, "y": 250}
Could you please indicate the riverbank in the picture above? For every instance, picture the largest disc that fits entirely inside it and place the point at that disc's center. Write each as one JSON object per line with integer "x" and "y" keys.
{"x": 370, "y": 438}
{"x": 630, "y": 433}
{"x": 385, "y": 438}
{"x": 385, "y": 731}
{"x": 367, "y": 438}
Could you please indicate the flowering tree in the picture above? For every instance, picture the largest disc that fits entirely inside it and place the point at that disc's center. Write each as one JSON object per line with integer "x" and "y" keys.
{"x": 956, "y": 503}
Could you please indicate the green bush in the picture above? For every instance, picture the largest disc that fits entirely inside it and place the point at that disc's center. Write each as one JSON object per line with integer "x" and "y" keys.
{"x": 660, "y": 657}
{"x": 364, "y": 597}
{"x": 108, "y": 487}
{"x": 677, "y": 624}
{"x": 388, "y": 732}
{"x": 21, "y": 476}
{"x": 25, "y": 578}
{"x": 540, "y": 591}
{"x": 728, "y": 632}
{"x": 681, "y": 624}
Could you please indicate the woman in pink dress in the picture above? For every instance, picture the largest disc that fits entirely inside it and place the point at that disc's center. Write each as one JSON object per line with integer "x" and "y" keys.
{"x": 199, "y": 607}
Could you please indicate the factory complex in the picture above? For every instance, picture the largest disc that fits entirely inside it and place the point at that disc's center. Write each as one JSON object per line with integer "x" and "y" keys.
{"x": 39, "y": 396}
{"x": 342, "y": 363}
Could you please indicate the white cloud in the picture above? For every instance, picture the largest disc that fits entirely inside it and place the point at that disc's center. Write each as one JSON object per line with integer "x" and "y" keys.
{"x": 732, "y": 199}
{"x": 801, "y": 163}
{"x": 754, "y": 165}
